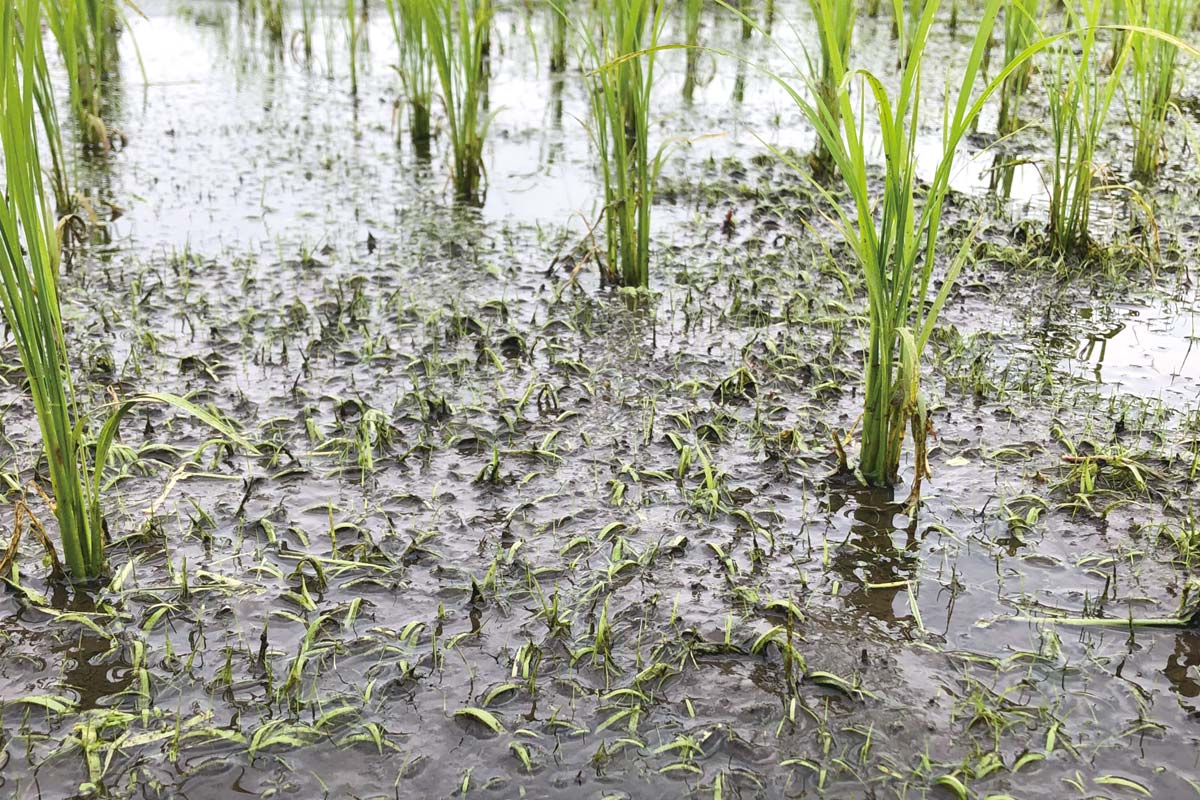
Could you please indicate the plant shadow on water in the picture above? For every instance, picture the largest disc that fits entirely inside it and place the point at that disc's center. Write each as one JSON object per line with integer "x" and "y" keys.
{"x": 879, "y": 558}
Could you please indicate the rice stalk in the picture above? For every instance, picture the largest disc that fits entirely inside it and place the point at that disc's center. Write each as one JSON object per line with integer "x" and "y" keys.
{"x": 691, "y": 36}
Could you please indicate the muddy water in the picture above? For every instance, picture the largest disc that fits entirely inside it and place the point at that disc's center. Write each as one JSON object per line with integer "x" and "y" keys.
{"x": 469, "y": 560}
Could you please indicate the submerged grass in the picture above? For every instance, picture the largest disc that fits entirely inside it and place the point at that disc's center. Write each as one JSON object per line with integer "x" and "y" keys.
{"x": 618, "y": 43}
{"x": 458, "y": 35}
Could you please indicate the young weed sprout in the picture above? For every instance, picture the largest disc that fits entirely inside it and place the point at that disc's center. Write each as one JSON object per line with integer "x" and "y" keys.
{"x": 457, "y": 33}
{"x": 415, "y": 67}
{"x": 618, "y": 44}
{"x": 895, "y": 239}
{"x": 29, "y": 262}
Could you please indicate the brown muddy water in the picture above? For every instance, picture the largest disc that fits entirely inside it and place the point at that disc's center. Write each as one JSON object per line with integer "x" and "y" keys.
{"x": 510, "y": 538}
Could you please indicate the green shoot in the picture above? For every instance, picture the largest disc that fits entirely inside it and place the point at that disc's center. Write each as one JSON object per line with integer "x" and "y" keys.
{"x": 835, "y": 31}
{"x": 691, "y": 36}
{"x": 86, "y": 34}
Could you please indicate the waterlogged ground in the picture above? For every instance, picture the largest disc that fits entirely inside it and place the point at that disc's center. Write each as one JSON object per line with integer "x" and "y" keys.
{"x": 509, "y": 537}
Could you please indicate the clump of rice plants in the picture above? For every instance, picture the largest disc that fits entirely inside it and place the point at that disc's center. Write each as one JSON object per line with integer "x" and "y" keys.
{"x": 458, "y": 36}
{"x": 618, "y": 43}
{"x": 29, "y": 264}
{"x": 894, "y": 230}
{"x": 1153, "y": 64}
{"x": 1079, "y": 96}
{"x": 85, "y": 31}
{"x": 415, "y": 67}
{"x": 835, "y": 31}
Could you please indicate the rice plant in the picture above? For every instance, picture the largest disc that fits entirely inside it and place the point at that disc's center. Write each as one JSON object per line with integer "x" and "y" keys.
{"x": 85, "y": 31}
{"x": 272, "y": 17}
{"x": 618, "y": 44}
{"x": 691, "y": 37}
{"x": 65, "y": 198}
{"x": 29, "y": 263}
{"x": 1079, "y": 96}
{"x": 747, "y": 8}
{"x": 894, "y": 237}
{"x": 835, "y": 31}
{"x": 1153, "y": 65}
{"x": 415, "y": 67}
{"x": 558, "y": 41}
{"x": 1021, "y": 29}
{"x": 352, "y": 34}
{"x": 457, "y": 32}
{"x": 308, "y": 20}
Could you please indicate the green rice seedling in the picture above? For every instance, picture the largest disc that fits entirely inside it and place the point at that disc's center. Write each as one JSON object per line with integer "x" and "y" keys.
{"x": 85, "y": 31}
{"x": 29, "y": 263}
{"x": 415, "y": 67}
{"x": 272, "y": 18}
{"x": 457, "y": 35}
{"x": 1153, "y": 65}
{"x": 43, "y": 90}
{"x": 894, "y": 230}
{"x": 1021, "y": 29}
{"x": 352, "y": 33}
{"x": 558, "y": 40}
{"x": 835, "y": 31}
{"x": 618, "y": 43}
{"x": 747, "y": 8}
{"x": 308, "y": 20}
{"x": 906, "y": 16}
{"x": 1079, "y": 96}
{"x": 691, "y": 36}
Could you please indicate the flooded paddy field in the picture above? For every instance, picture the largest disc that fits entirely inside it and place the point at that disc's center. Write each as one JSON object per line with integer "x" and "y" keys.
{"x": 513, "y": 532}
